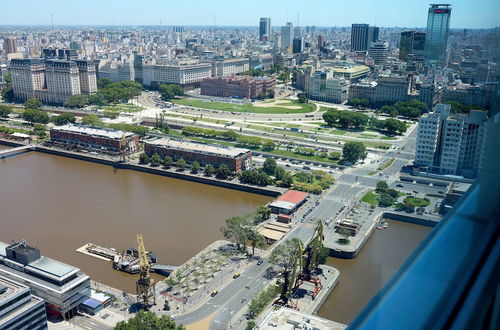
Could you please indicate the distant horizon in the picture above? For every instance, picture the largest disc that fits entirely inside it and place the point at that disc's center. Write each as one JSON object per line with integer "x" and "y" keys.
{"x": 230, "y": 13}
{"x": 227, "y": 26}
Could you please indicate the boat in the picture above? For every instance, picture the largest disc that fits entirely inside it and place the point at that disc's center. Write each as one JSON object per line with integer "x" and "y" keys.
{"x": 382, "y": 225}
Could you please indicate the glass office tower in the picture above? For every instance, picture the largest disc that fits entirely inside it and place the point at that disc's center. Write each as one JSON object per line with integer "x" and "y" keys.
{"x": 438, "y": 25}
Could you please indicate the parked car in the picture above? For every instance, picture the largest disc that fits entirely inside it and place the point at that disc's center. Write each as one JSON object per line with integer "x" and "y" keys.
{"x": 236, "y": 275}
{"x": 260, "y": 262}
{"x": 214, "y": 293}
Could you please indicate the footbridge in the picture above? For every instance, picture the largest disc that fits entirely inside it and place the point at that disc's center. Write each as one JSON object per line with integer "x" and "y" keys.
{"x": 15, "y": 150}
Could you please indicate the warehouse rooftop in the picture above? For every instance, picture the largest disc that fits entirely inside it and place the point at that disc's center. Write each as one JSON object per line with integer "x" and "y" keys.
{"x": 199, "y": 147}
{"x": 92, "y": 131}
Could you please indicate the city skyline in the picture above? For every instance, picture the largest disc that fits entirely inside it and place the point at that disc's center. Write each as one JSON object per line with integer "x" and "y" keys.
{"x": 222, "y": 13}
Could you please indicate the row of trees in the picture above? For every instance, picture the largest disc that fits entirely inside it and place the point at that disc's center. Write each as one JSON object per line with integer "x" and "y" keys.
{"x": 169, "y": 92}
{"x": 146, "y": 320}
{"x": 346, "y": 119}
{"x": 222, "y": 172}
{"x": 245, "y": 141}
{"x": 359, "y": 103}
{"x": 350, "y": 119}
{"x": 410, "y": 109}
{"x": 5, "y": 111}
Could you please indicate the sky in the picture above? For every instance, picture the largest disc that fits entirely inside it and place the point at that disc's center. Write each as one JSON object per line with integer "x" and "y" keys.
{"x": 386, "y": 13}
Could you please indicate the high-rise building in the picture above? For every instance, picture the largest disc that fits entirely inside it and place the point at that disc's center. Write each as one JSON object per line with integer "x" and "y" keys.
{"x": 436, "y": 39}
{"x": 359, "y": 37}
{"x": 138, "y": 62}
{"x": 412, "y": 42}
{"x": 19, "y": 309}
{"x": 378, "y": 52}
{"x": 321, "y": 41}
{"x": 298, "y": 45}
{"x": 373, "y": 34}
{"x": 9, "y": 45}
{"x": 451, "y": 143}
{"x": 287, "y": 35}
{"x": 265, "y": 29}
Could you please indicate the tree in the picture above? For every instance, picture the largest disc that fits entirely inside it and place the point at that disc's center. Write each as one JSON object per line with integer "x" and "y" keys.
{"x": 261, "y": 96}
{"x": 64, "y": 119}
{"x": 345, "y": 233}
{"x": 269, "y": 146}
{"x": 385, "y": 200}
{"x": 35, "y": 116}
{"x": 77, "y": 101}
{"x": 195, "y": 167}
{"x": 271, "y": 94}
{"x": 269, "y": 166}
{"x": 382, "y": 187}
{"x": 262, "y": 213}
{"x": 181, "y": 163}
{"x": 250, "y": 325}
{"x": 39, "y": 130}
{"x": 256, "y": 239}
{"x": 5, "y": 110}
{"x": 323, "y": 255}
{"x": 393, "y": 193}
{"x": 168, "y": 161}
{"x": 143, "y": 158}
{"x": 236, "y": 230}
{"x": 103, "y": 82}
{"x": 353, "y": 151}
{"x": 223, "y": 172}
{"x": 284, "y": 77}
{"x": 209, "y": 170}
{"x": 392, "y": 126}
{"x": 146, "y": 320}
{"x": 301, "y": 98}
{"x": 8, "y": 94}
{"x": 155, "y": 159}
{"x": 335, "y": 155}
{"x": 33, "y": 104}
{"x": 91, "y": 120}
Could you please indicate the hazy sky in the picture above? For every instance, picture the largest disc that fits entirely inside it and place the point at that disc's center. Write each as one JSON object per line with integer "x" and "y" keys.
{"x": 388, "y": 13}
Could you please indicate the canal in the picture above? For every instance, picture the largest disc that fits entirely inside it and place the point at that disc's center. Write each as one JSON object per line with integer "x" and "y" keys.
{"x": 59, "y": 204}
{"x": 361, "y": 278}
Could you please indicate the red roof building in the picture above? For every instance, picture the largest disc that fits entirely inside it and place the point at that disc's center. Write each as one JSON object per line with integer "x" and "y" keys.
{"x": 293, "y": 196}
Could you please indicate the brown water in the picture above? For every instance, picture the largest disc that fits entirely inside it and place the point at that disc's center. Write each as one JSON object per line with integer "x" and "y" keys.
{"x": 59, "y": 204}
{"x": 361, "y": 278}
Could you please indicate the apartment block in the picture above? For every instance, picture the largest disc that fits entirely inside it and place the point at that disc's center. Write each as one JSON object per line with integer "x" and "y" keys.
{"x": 450, "y": 143}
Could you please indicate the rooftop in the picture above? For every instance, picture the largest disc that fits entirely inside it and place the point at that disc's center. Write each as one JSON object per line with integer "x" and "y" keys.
{"x": 52, "y": 267}
{"x": 199, "y": 147}
{"x": 93, "y": 131}
{"x": 293, "y": 196}
{"x": 9, "y": 288}
{"x": 285, "y": 318}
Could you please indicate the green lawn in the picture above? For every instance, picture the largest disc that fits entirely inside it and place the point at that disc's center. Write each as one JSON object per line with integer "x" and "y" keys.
{"x": 123, "y": 107}
{"x": 370, "y": 197}
{"x": 225, "y": 106}
{"x": 388, "y": 138}
{"x": 387, "y": 164}
{"x": 416, "y": 201}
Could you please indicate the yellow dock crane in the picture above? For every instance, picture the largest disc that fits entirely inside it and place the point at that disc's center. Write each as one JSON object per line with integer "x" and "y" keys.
{"x": 312, "y": 261}
{"x": 145, "y": 284}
